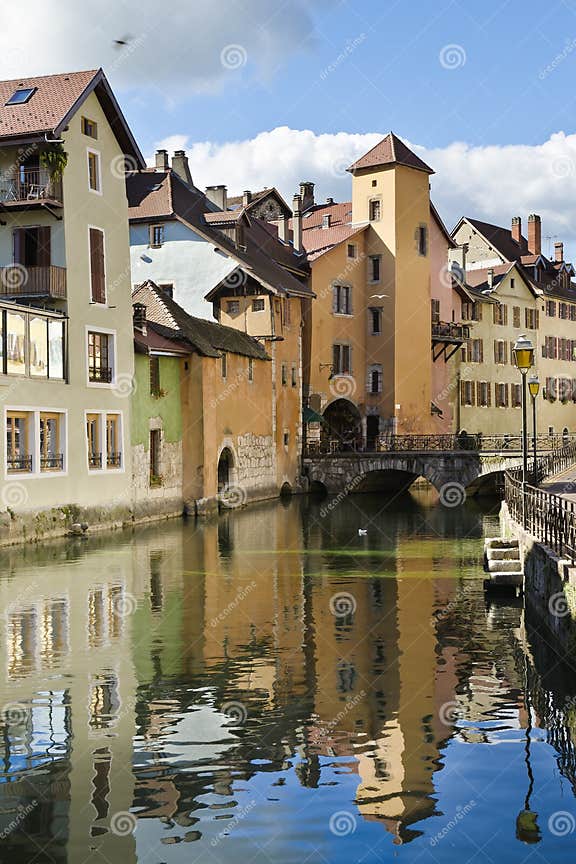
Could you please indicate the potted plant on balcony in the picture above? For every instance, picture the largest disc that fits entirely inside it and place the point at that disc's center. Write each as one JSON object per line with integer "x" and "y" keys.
{"x": 54, "y": 158}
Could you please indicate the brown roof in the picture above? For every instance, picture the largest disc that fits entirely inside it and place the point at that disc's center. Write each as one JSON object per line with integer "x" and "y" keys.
{"x": 321, "y": 240}
{"x": 163, "y": 195}
{"x": 340, "y": 214}
{"x": 500, "y": 238}
{"x": 390, "y": 151}
{"x": 206, "y": 338}
{"x": 153, "y": 342}
{"x": 55, "y": 100}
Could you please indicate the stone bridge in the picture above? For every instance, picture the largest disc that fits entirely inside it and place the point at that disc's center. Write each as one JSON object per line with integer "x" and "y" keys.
{"x": 363, "y": 471}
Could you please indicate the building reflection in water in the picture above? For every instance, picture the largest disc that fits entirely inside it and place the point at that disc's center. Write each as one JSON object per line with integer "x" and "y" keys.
{"x": 190, "y": 661}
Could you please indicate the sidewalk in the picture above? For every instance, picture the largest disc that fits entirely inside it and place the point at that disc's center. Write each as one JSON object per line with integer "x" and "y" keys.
{"x": 563, "y": 484}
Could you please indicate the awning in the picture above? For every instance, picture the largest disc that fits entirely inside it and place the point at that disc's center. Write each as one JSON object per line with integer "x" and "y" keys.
{"x": 311, "y": 416}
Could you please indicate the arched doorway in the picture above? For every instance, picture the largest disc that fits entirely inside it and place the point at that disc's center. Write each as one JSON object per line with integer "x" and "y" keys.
{"x": 225, "y": 466}
{"x": 343, "y": 427}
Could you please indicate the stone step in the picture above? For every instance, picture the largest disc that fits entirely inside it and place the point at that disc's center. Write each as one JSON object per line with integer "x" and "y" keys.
{"x": 500, "y": 543}
{"x": 504, "y": 566}
{"x": 510, "y": 554}
{"x": 513, "y": 579}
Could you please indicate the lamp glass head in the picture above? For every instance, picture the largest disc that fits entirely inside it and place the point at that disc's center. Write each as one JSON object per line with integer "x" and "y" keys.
{"x": 534, "y": 385}
{"x": 523, "y": 354}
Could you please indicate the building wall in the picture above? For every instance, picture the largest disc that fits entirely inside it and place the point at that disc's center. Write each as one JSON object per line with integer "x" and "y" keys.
{"x": 77, "y": 486}
{"x": 444, "y": 391}
{"x": 479, "y": 253}
{"x": 162, "y": 413}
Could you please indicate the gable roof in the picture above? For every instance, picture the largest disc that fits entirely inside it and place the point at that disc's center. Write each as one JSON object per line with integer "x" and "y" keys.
{"x": 390, "y": 151}
{"x": 206, "y": 338}
{"x": 499, "y": 238}
{"x": 55, "y": 101}
{"x": 477, "y": 280}
{"x": 164, "y": 195}
{"x": 236, "y": 202}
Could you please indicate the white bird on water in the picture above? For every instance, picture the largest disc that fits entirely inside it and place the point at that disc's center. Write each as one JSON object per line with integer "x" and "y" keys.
{"x": 362, "y": 532}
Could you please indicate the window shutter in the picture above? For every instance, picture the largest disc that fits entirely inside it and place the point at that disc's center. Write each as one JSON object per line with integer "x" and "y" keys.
{"x": 479, "y": 308}
{"x": 495, "y": 314}
{"x": 479, "y": 392}
{"x": 489, "y": 393}
{"x": 335, "y": 292}
{"x": 481, "y": 350}
{"x": 97, "y": 266}
{"x": 18, "y": 237}
{"x": 44, "y": 258}
{"x": 463, "y": 392}
{"x": 336, "y": 358}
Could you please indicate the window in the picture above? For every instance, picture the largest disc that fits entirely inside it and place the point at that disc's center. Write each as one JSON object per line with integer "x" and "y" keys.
{"x": 286, "y": 439}
{"x": 516, "y": 395}
{"x": 100, "y": 358}
{"x": 341, "y": 359}
{"x": 483, "y": 393}
{"x": 38, "y": 347}
{"x": 31, "y": 344}
{"x": 342, "y": 299}
{"x": 563, "y": 311}
{"x": 500, "y": 351}
{"x": 572, "y": 311}
{"x": 97, "y": 266}
{"x": 233, "y": 307}
{"x": 51, "y": 451}
{"x": 294, "y": 377}
{"x": 20, "y": 97}
{"x": 16, "y": 343}
{"x": 374, "y": 210}
{"x": 326, "y": 221}
{"x": 471, "y": 311}
{"x": 287, "y": 311}
{"x": 501, "y": 395}
{"x": 500, "y": 313}
{"x": 375, "y": 379}
{"x": 250, "y": 369}
{"x": 422, "y": 240}
{"x": 18, "y": 441}
{"x": 531, "y": 319}
{"x": 351, "y": 250}
{"x": 155, "y": 455}
{"x": 375, "y": 320}
{"x": 156, "y": 236}
{"x": 89, "y": 127}
{"x": 435, "y": 311}
{"x": 550, "y": 389}
{"x": 284, "y": 374}
{"x": 113, "y": 449}
{"x": 94, "y": 171}
{"x": 374, "y": 262}
{"x": 258, "y": 305}
{"x": 564, "y": 389}
{"x": 32, "y": 246}
{"x": 550, "y": 308}
{"x": 550, "y": 348}
{"x": 224, "y": 365}
{"x": 154, "y": 376}
{"x": 473, "y": 352}
{"x": 467, "y": 392}
{"x": 516, "y": 316}
{"x": 93, "y": 441}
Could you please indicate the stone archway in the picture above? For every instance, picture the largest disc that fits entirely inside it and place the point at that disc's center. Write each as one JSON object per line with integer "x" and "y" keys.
{"x": 343, "y": 426}
{"x": 225, "y": 470}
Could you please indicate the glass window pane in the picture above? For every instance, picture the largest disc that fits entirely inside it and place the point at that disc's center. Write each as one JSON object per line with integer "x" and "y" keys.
{"x": 16, "y": 343}
{"x": 56, "y": 348}
{"x": 39, "y": 347}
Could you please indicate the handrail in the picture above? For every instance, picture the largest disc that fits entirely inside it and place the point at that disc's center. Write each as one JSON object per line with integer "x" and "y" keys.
{"x": 388, "y": 443}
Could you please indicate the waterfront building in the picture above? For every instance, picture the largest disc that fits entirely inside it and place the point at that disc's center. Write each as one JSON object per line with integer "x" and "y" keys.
{"x": 65, "y": 308}
{"x": 516, "y": 290}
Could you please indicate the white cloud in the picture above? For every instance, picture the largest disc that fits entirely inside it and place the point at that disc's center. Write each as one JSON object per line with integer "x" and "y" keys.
{"x": 186, "y": 44}
{"x": 491, "y": 183}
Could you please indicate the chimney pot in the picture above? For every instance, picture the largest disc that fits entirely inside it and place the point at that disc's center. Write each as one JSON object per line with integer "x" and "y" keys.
{"x": 297, "y": 223}
{"x": 517, "y": 229}
{"x": 180, "y": 166}
{"x": 307, "y": 194}
{"x": 283, "y": 229}
{"x": 246, "y": 197}
{"x": 139, "y": 316}
{"x": 559, "y": 252}
{"x": 534, "y": 234}
{"x": 162, "y": 160}
{"x": 218, "y": 195}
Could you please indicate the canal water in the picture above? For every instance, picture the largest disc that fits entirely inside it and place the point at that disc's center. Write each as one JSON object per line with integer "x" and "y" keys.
{"x": 316, "y": 681}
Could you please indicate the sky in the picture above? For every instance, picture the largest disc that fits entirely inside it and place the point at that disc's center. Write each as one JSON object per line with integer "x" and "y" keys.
{"x": 271, "y": 92}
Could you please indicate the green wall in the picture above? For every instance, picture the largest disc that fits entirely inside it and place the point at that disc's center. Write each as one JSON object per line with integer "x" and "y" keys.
{"x": 145, "y": 406}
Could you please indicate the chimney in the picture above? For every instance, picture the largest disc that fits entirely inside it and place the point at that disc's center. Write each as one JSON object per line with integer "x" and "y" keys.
{"x": 458, "y": 261}
{"x": 218, "y": 195}
{"x": 326, "y": 220}
{"x": 329, "y": 200}
{"x": 517, "y": 229}
{"x": 139, "y": 317}
{"x": 534, "y": 234}
{"x": 307, "y": 194}
{"x": 180, "y": 166}
{"x": 490, "y": 278}
{"x": 559, "y": 252}
{"x": 283, "y": 229}
{"x": 297, "y": 223}
{"x": 246, "y": 197}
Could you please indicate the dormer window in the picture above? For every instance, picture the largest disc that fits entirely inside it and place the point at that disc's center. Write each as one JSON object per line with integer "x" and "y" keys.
{"x": 20, "y": 97}
{"x": 326, "y": 221}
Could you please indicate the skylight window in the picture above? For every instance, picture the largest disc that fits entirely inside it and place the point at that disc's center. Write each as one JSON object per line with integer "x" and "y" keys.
{"x": 19, "y": 97}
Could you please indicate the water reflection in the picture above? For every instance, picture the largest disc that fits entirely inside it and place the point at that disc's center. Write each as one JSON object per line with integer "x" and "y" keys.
{"x": 273, "y": 684}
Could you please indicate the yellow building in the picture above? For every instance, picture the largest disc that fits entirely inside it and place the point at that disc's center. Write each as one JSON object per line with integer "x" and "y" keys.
{"x": 65, "y": 303}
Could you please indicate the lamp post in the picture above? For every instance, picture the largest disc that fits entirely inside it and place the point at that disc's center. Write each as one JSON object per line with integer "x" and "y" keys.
{"x": 534, "y": 388}
{"x": 523, "y": 351}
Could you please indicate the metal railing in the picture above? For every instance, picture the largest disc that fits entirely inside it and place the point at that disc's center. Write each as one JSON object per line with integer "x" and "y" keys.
{"x": 450, "y": 331}
{"x": 19, "y": 463}
{"x": 100, "y": 374}
{"x": 29, "y": 184}
{"x": 114, "y": 460}
{"x": 95, "y": 460}
{"x": 20, "y": 280}
{"x": 52, "y": 463}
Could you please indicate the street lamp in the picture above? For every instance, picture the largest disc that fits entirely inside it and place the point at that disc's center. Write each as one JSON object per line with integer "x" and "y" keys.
{"x": 523, "y": 352}
{"x": 534, "y": 388}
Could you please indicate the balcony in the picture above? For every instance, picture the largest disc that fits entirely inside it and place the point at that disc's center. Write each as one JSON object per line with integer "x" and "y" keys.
{"x": 18, "y": 280}
{"x": 114, "y": 460}
{"x": 447, "y": 337}
{"x": 29, "y": 187}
